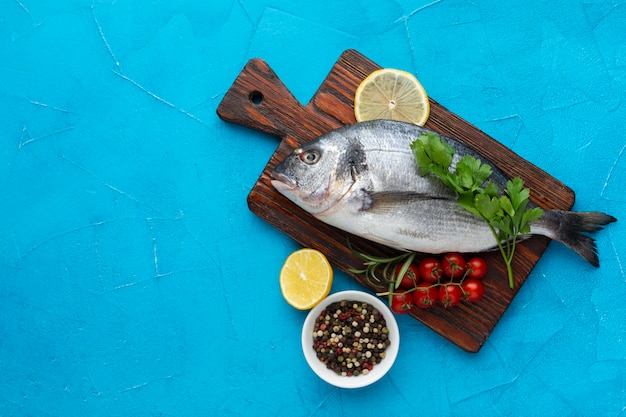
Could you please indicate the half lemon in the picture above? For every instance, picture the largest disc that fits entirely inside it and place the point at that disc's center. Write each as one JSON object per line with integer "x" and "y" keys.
{"x": 305, "y": 278}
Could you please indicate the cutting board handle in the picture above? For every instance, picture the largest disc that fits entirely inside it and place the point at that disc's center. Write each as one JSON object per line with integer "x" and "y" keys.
{"x": 258, "y": 99}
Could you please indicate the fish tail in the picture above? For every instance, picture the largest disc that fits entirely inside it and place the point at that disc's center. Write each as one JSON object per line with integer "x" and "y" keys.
{"x": 569, "y": 228}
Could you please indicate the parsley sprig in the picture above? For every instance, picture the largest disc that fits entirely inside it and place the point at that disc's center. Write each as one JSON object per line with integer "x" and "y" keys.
{"x": 507, "y": 215}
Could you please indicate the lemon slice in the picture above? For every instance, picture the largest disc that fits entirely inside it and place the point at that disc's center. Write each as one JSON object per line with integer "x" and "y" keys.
{"x": 305, "y": 278}
{"x": 391, "y": 94}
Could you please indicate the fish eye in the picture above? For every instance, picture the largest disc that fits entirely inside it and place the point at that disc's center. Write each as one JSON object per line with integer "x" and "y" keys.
{"x": 309, "y": 157}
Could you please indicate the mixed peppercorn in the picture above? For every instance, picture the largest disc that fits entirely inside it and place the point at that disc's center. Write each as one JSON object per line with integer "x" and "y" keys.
{"x": 350, "y": 337}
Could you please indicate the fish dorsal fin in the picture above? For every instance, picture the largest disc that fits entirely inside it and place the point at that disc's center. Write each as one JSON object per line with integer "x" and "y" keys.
{"x": 389, "y": 201}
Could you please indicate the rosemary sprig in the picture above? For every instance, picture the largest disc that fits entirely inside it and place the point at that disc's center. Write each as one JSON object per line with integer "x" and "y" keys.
{"x": 383, "y": 271}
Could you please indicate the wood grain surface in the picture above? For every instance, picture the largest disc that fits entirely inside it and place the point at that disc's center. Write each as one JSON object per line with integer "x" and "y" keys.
{"x": 259, "y": 100}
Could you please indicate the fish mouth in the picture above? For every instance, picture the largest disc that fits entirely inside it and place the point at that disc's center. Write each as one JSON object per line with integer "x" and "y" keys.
{"x": 281, "y": 181}
{"x": 317, "y": 205}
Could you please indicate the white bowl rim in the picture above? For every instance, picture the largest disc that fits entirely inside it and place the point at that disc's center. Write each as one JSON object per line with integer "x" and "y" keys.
{"x": 379, "y": 370}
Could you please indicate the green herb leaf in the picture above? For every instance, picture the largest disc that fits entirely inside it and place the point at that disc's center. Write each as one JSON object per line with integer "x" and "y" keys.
{"x": 488, "y": 207}
{"x": 466, "y": 200}
{"x": 491, "y": 189}
{"x": 432, "y": 155}
{"x": 440, "y": 152}
{"x": 507, "y": 206}
{"x": 472, "y": 172}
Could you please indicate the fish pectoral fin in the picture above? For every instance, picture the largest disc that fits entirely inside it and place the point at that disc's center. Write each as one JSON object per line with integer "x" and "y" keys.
{"x": 389, "y": 201}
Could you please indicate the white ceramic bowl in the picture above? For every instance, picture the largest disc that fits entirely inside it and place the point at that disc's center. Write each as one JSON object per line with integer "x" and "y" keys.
{"x": 379, "y": 370}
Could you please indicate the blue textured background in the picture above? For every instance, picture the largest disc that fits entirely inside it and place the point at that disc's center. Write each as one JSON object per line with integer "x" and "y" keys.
{"x": 134, "y": 280}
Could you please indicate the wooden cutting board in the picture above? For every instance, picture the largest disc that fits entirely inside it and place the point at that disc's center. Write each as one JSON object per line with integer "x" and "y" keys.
{"x": 259, "y": 100}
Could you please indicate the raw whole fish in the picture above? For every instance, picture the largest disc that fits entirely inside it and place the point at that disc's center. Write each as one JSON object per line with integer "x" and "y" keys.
{"x": 363, "y": 179}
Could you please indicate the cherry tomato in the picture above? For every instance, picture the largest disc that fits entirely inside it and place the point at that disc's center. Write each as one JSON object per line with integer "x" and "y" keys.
{"x": 476, "y": 268}
{"x": 410, "y": 278}
{"x": 426, "y": 295}
{"x": 430, "y": 270}
{"x": 401, "y": 303}
{"x": 453, "y": 265}
{"x": 473, "y": 289}
{"x": 450, "y": 295}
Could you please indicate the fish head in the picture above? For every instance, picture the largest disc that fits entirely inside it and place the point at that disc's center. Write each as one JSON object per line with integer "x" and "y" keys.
{"x": 319, "y": 174}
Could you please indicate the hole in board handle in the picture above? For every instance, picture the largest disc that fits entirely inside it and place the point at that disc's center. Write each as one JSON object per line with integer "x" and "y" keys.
{"x": 256, "y": 97}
